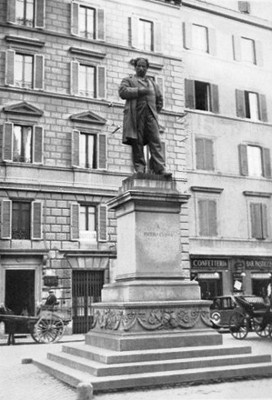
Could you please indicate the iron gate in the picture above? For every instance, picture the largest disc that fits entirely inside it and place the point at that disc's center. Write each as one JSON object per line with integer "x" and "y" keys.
{"x": 86, "y": 289}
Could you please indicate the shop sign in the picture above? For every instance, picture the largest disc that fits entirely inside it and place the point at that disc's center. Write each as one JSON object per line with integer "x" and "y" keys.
{"x": 259, "y": 264}
{"x": 208, "y": 276}
{"x": 261, "y": 276}
{"x": 209, "y": 263}
{"x": 51, "y": 280}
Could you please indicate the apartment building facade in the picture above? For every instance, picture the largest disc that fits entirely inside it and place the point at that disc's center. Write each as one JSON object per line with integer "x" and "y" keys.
{"x": 62, "y": 157}
{"x": 228, "y": 76}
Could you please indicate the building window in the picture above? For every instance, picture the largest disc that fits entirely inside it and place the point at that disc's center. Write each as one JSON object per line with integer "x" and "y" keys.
{"x": 21, "y": 212}
{"x": 207, "y": 215}
{"x": 21, "y": 220}
{"x": 248, "y": 50}
{"x": 251, "y": 105}
{"x": 200, "y": 38}
{"x": 146, "y": 35}
{"x": 25, "y": 12}
{"x": 89, "y": 150}
{"x": 258, "y": 215}
{"x": 87, "y": 81}
{"x": 22, "y": 143}
{"x": 24, "y": 70}
{"x": 89, "y": 222}
{"x": 87, "y": 157}
{"x": 255, "y": 161}
{"x": 201, "y": 96}
{"x": 87, "y": 22}
{"x": 244, "y": 7}
{"x": 204, "y": 154}
{"x": 23, "y": 73}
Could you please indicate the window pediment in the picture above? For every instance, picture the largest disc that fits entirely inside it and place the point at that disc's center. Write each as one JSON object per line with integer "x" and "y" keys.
{"x": 23, "y": 108}
{"x": 88, "y": 117}
{"x": 21, "y": 40}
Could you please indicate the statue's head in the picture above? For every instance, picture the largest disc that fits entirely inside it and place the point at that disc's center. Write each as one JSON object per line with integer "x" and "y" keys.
{"x": 141, "y": 66}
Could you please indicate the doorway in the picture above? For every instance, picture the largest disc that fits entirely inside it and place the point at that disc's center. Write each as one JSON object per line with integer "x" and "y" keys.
{"x": 20, "y": 291}
{"x": 86, "y": 290}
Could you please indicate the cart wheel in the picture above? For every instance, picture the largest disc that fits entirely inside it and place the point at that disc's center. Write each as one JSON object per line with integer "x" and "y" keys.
{"x": 48, "y": 329}
{"x": 238, "y": 325}
{"x": 256, "y": 327}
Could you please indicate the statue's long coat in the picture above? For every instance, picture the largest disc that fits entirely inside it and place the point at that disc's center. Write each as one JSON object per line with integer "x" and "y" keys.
{"x": 128, "y": 91}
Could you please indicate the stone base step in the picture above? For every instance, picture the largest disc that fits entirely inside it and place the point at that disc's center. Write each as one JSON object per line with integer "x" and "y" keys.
{"x": 98, "y": 369}
{"x": 114, "y": 357}
{"x": 196, "y": 375}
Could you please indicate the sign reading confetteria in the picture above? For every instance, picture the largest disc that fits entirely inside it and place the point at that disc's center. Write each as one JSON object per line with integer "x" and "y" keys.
{"x": 209, "y": 263}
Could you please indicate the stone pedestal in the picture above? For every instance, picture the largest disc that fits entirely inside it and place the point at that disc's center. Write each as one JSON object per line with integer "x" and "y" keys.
{"x": 149, "y": 298}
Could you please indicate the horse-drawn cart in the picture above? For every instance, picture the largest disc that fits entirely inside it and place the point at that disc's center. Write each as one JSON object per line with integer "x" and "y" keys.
{"x": 252, "y": 314}
{"x": 47, "y": 327}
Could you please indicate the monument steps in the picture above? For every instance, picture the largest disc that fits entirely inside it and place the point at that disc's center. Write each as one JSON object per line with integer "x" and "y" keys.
{"x": 201, "y": 374}
{"x": 156, "y": 367}
{"x": 115, "y": 357}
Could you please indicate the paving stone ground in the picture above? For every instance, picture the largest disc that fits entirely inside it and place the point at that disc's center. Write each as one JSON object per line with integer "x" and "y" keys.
{"x": 25, "y": 381}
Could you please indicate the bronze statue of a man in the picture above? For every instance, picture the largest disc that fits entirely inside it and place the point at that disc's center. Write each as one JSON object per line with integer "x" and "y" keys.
{"x": 143, "y": 103}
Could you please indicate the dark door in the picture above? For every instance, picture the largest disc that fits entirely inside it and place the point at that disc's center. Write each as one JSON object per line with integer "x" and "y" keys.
{"x": 86, "y": 290}
{"x": 20, "y": 293}
{"x": 210, "y": 288}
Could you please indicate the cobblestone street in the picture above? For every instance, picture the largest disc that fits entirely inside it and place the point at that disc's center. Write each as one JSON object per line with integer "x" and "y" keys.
{"x": 19, "y": 381}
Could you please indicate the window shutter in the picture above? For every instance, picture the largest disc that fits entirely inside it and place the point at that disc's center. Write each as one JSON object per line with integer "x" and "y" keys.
{"x": 74, "y": 18}
{"x": 102, "y": 223}
{"x": 134, "y": 26}
{"x": 40, "y": 13}
{"x": 38, "y": 145}
{"x": 7, "y": 141}
{"x": 100, "y": 33}
{"x": 74, "y": 221}
{"x": 189, "y": 93}
{"x": 160, "y": 82}
{"x": 256, "y": 220}
{"x": 199, "y": 153}
{"x": 187, "y": 35}
{"x": 236, "y": 42}
{"x": 75, "y": 147}
{"x": 208, "y": 152}
{"x": 157, "y": 37}
{"x": 259, "y": 53}
{"x": 212, "y": 221}
{"x": 266, "y": 163}
{"x": 6, "y": 208}
{"x": 74, "y": 77}
{"x": 203, "y": 217}
{"x": 263, "y": 107}
{"x": 240, "y": 104}
{"x": 214, "y": 98}
{"x": 243, "y": 159}
{"x": 102, "y": 151}
{"x": 101, "y": 82}
{"x": 264, "y": 221}
{"x": 9, "y": 71}
{"x": 11, "y": 11}
{"x": 38, "y": 71}
{"x": 36, "y": 220}
{"x": 212, "y": 41}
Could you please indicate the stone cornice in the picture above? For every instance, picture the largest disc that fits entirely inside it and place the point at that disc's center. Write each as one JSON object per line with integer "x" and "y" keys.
{"x": 257, "y": 194}
{"x": 206, "y": 189}
{"x": 21, "y": 40}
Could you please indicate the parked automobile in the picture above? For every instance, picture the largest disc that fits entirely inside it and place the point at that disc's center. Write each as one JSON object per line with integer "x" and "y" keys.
{"x": 222, "y": 308}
